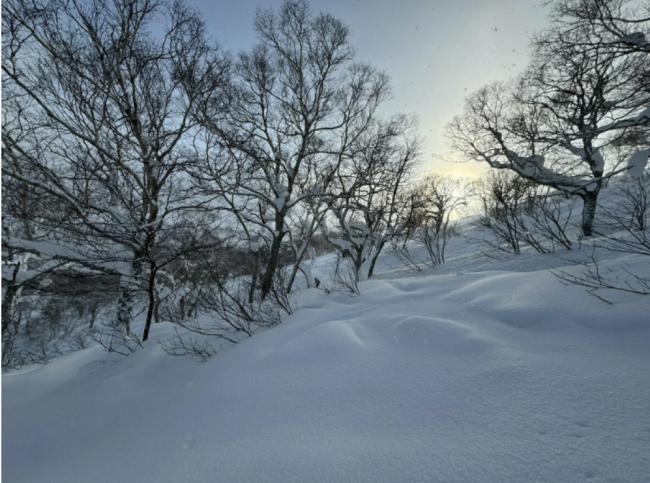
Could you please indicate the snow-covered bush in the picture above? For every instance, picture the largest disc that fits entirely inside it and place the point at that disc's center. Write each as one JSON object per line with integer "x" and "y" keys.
{"x": 504, "y": 199}
{"x": 518, "y": 213}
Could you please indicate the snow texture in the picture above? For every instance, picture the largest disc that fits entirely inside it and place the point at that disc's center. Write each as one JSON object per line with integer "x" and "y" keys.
{"x": 637, "y": 163}
{"x": 482, "y": 371}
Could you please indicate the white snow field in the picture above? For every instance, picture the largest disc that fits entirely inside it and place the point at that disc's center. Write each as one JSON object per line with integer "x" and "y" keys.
{"x": 486, "y": 371}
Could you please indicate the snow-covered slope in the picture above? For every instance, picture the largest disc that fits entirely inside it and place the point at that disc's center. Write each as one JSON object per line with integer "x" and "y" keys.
{"x": 467, "y": 374}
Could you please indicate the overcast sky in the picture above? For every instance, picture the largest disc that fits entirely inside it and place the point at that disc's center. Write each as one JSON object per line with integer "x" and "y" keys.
{"x": 435, "y": 51}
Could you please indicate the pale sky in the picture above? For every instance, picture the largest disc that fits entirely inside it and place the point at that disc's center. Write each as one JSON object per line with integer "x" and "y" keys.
{"x": 435, "y": 52}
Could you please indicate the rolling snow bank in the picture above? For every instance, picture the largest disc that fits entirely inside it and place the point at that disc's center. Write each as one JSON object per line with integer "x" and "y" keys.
{"x": 474, "y": 376}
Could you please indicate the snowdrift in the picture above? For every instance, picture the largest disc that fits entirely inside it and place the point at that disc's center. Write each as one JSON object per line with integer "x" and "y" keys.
{"x": 468, "y": 376}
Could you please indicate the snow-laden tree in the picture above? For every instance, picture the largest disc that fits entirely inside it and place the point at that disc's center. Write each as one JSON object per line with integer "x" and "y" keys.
{"x": 105, "y": 90}
{"x": 296, "y": 106}
{"x": 557, "y": 123}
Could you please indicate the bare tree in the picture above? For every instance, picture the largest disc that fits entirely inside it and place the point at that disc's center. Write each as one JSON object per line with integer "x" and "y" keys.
{"x": 296, "y": 107}
{"x": 621, "y": 26}
{"x": 410, "y": 221}
{"x": 108, "y": 106}
{"x": 368, "y": 207}
{"x": 503, "y": 197}
{"x": 556, "y": 124}
{"x": 438, "y": 200}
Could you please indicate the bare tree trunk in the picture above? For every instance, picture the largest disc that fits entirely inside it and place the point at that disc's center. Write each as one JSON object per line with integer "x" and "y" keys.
{"x": 256, "y": 268}
{"x": 297, "y": 266}
{"x": 590, "y": 201}
{"x": 156, "y": 310}
{"x": 151, "y": 293}
{"x": 373, "y": 262}
{"x": 8, "y": 297}
{"x": 274, "y": 258}
{"x": 292, "y": 277}
{"x": 359, "y": 261}
{"x": 9, "y": 325}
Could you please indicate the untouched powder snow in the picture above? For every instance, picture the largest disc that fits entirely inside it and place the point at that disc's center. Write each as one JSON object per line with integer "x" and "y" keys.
{"x": 474, "y": 376}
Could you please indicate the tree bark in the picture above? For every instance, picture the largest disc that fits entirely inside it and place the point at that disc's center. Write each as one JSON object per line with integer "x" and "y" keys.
{"x": 9, "y": 325}
{"x": 151, "y": 294}
{"x": 274, "y": 259}
{"x": 371, "y": 270}
{"x": 589, "y": 203}
{"x": 256, "y": 267}
{"x": 128, "y": 288}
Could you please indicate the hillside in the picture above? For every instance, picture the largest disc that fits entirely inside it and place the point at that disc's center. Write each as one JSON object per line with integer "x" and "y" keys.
{"x": 309, "y": 241}
{"x": 493, "y": 373}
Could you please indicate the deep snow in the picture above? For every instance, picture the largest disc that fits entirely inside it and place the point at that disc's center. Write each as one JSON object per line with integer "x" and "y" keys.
{"x": 486, "y": 370}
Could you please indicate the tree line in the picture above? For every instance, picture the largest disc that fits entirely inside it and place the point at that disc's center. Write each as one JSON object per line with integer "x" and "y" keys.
{"x": 196, "y": 179}
{"x": 131, "y": 144}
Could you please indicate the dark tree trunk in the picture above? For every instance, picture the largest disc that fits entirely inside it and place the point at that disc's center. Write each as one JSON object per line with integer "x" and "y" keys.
{"x": 156, "y": 310}
{"x": 7, "y": 304}
{"x": 274, "y": 259}
{"x": 300, "y": 256}
{"x": 589, "y": 203}
{"x": 256, "y": 268}
{"x": 9, "y": 325}
{"x": 151, "y": 294}
{"x": 371, "y": 270}
{"x": 359, "y": 259}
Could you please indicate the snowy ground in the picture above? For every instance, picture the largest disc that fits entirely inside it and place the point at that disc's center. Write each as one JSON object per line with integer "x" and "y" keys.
{"x": 486, "y": 371}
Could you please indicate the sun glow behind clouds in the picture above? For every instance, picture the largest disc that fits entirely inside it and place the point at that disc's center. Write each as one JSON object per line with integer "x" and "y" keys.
{"x": 452, "y": 166}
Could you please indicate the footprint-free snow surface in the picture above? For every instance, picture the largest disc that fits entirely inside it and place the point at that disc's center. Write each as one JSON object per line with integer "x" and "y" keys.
{"x": 474, "y": 376}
